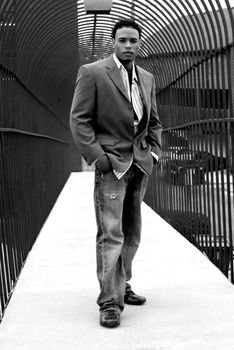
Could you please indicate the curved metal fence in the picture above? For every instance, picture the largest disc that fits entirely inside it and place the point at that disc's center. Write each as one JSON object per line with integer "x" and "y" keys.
{"x": 35, "y": 141}
{"x": 193, "y": 186}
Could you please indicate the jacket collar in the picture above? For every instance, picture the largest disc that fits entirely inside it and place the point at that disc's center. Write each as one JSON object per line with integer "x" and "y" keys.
{"x": 121, "y": 66}
{"x": 114, "y": 74}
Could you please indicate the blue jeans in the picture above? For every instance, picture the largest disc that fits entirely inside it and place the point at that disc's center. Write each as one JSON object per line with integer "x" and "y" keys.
{"x": 118, "y": 216}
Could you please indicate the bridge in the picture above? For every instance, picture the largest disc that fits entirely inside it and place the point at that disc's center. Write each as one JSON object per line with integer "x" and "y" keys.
{"x": 189, "y": 301}
{"x": 189, "y": 205}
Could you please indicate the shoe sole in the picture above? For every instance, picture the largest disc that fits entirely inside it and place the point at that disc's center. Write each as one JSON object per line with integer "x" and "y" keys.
{"x": 110, "y": 325}
{"x": 134, "y": 302}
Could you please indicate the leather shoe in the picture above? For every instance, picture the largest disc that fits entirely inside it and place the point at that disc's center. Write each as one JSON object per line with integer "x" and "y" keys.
{"x": 133, "y": 299}
{"x": 110, "y": 316}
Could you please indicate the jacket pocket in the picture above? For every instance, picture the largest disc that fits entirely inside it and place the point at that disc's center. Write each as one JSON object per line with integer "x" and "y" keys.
{"x": 107, "y": 142}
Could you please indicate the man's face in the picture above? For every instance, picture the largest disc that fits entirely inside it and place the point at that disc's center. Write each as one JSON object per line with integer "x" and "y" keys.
{"x": 126, "y": 44}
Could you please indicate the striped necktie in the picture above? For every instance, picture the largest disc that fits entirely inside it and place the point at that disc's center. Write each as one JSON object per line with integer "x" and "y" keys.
{"x": 136, "y": 100}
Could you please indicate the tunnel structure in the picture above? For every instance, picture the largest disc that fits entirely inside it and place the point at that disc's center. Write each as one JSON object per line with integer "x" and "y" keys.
{"x": 187, "y": 46}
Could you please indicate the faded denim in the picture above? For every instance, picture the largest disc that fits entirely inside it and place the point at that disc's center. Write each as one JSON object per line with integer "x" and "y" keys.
{"x": 118, "y": 215}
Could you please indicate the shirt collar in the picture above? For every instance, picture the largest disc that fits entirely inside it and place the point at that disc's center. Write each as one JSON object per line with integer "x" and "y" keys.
{"x": 120, "y": 66}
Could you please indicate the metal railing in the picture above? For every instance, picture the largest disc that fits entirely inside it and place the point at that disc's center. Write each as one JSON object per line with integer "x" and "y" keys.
{"x": 192, "y": 188}
{"x": 35, "y": 140}
{"x": 33, "y": 169}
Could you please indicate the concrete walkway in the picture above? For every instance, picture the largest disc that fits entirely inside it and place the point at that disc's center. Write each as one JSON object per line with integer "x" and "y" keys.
{"x": 190, "y": 304}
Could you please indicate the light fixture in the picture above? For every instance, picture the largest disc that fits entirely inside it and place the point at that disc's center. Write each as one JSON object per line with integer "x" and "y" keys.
{"x": 97, "y": 6}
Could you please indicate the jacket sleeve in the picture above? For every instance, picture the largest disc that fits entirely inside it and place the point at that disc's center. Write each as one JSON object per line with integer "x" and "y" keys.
{"x": 82, "y": 116}
{"x": 155, "y": 127}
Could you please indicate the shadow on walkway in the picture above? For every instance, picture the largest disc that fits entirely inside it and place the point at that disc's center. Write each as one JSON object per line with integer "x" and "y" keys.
{"x": 189, "y": 302}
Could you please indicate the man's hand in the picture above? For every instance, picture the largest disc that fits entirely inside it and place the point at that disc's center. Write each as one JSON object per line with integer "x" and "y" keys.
{"x": 103, "y": 164}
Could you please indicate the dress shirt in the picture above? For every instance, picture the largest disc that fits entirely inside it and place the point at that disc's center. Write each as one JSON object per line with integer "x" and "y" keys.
{"x": 125, "y": 78}
{"x": 133, "y": 90}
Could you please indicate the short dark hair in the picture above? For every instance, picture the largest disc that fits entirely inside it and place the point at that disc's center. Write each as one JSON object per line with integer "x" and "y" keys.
{"x": 126, "y": 23}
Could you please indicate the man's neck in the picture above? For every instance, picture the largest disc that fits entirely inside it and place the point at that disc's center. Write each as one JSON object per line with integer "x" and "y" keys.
{"x": 127, "y": 65}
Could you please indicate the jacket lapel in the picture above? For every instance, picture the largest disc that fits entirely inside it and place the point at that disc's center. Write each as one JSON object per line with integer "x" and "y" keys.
{"x": 114, "y": 74}
{"x": 144, "y": 83}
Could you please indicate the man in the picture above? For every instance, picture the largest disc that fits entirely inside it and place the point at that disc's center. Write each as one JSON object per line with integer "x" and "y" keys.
{"x": 115, "y": 123}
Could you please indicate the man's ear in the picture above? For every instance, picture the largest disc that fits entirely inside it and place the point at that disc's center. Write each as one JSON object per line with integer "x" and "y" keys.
{"x": 113, "y": 43}
{"x": 139, "y": 43}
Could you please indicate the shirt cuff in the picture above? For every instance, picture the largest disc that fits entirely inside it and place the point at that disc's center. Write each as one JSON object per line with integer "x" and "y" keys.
{"x": 155, "y": 156}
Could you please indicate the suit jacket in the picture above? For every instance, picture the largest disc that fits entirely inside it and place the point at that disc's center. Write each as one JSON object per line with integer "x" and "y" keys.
{"x": 102, "y": 117}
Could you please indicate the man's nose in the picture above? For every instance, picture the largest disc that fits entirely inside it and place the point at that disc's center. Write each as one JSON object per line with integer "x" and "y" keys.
{"x": 128, "y": 44}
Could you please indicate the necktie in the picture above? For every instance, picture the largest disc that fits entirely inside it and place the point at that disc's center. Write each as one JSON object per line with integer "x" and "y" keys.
{"x": 136, "y": 100}
{"x": 134, "y": 94}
